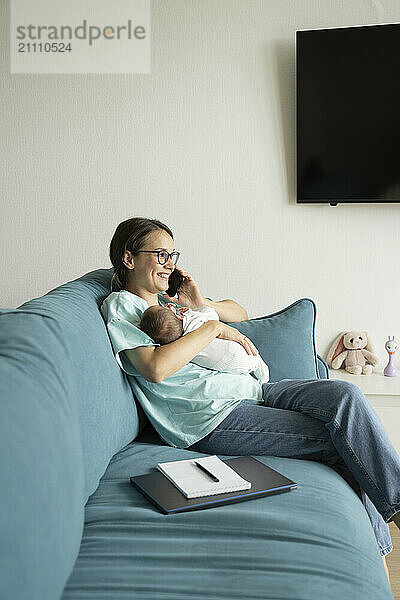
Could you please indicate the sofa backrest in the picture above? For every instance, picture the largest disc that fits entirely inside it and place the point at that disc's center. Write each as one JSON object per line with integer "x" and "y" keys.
{"x": 66, "y": 409}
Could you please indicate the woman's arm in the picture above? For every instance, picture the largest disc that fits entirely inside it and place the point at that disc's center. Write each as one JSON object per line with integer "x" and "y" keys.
{"x": 157, "y": 363}
{"x": 228, "y": 311}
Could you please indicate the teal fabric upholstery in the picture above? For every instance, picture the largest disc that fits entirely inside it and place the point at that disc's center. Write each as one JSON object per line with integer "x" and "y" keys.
{"x": 286, "y": 340}
{"x": 41, "y": 466}
{"x": 107, "y": 412}
{"x": 67, "y": 408}
{"x": 314, "y": 542}
{"x": 323, "y": 369}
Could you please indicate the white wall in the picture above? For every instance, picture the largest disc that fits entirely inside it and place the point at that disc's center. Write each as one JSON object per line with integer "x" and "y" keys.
{"x": 206, "y": 144}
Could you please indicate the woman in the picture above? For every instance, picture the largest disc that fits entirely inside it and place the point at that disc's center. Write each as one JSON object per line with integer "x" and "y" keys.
{"x": 222, "y": 413}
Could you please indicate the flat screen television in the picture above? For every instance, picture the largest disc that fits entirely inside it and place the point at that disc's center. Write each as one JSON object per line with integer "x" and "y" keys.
{"x": 348, "y": 114}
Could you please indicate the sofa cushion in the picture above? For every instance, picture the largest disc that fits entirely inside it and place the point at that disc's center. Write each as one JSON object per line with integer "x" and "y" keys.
{"x": 286, "y": 340}
{"x": 313, "y": 542}
{"x": 323, "y": 369}
{"x": 106, "y": 408}
{"x": 66, "y": 409}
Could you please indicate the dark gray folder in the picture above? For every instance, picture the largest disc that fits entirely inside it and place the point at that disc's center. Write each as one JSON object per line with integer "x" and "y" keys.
{"x": 166, "y": 497}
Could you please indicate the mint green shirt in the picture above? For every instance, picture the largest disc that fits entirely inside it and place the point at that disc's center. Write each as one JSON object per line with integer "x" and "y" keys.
{"x": 187, "y": 405}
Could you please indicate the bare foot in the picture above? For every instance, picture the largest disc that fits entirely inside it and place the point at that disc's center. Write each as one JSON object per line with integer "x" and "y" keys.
{"x": 386, "y": 568}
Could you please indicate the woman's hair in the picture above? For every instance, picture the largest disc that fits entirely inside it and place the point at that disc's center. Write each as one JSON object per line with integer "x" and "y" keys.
{"x": 161, "y": 324}
{"x": 130, "y": 235}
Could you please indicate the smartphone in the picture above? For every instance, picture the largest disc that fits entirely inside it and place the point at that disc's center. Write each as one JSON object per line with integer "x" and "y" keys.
{"x": 175, "y": 281}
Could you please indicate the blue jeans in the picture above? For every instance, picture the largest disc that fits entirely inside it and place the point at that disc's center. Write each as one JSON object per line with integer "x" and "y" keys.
{"x": 328, "y": 421}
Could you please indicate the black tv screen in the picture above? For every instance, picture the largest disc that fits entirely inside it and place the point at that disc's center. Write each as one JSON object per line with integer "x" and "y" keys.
{"x": 348, "y": 114}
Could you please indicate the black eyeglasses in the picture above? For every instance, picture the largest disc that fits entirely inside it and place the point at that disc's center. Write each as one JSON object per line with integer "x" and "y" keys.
{"x": 163, "y": 255}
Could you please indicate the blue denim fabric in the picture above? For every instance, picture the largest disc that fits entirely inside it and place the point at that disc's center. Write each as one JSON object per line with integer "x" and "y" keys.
{"x": 323, "y": 420}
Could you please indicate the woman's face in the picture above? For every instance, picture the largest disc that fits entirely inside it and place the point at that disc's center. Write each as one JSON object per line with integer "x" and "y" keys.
{"x": 148, "y": 274}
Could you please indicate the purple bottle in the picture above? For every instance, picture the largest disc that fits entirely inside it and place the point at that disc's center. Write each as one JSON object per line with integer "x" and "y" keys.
{"x": 391, "y": 347}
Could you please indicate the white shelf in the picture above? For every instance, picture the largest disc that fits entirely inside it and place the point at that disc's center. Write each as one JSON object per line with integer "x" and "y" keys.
{"x": 384, "y": 395}
{"x": 376, "y": 383}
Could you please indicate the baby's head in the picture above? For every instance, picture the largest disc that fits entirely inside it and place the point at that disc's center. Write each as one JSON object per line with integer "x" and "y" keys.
{"x": 161, "y": 324}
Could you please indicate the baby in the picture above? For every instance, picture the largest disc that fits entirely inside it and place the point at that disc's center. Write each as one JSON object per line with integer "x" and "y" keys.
{"x": 165, "y": 324}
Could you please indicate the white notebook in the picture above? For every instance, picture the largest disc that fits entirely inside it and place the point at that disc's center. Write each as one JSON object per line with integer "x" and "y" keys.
{"x": 194, "y": 483}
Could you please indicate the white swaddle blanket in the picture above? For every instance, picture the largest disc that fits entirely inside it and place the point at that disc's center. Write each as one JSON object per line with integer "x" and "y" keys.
{"x": 223, "y": 355}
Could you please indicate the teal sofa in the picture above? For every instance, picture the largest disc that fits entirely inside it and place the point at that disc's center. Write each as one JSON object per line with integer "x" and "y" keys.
{"x": 73, "y": 527}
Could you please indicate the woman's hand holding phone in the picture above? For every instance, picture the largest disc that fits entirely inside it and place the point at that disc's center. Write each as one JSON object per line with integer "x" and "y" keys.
{"x": 232, "y": 334}
{"x": 188, "y": 292}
